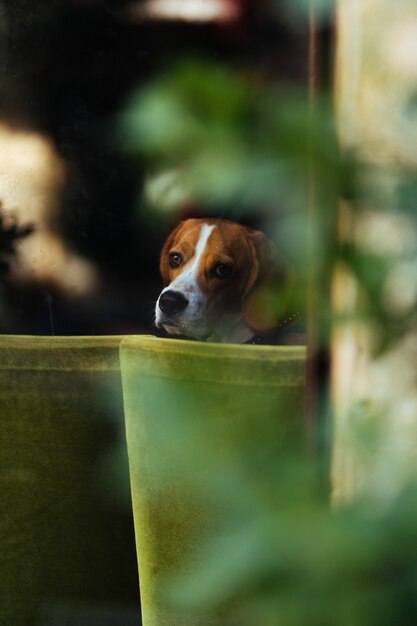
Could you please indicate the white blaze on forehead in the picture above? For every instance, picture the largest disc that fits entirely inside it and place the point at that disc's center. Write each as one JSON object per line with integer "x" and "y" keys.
{"x": 188, "y": 278}
{"x": 192, "y": 320}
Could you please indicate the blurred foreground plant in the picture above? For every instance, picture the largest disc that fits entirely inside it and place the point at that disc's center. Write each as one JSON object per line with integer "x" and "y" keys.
{"x": 221, "y": 140}
{"x": 212, "y": 137}
{"x": 233, "y": 146}
{"x": 297, "y": 563}
{"x": 269, "y": 550}
{"x": 228, "y": 139}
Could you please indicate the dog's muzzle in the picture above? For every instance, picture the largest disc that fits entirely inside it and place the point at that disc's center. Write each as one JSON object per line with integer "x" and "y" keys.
{"x": 181, "y": 315}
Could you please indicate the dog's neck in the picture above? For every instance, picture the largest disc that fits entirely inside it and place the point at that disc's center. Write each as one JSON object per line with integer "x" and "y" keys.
{"x": 290, "y": 331}
{"x": 232, "y": 330}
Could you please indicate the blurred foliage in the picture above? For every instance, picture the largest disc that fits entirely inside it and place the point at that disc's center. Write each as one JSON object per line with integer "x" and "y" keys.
{"x": 274, "y": 553}
{"x": 255, "y": 149}
{"x": 213, "y": 137}
{"x": 382, "y": 254}
{"x": 224, "y": 141}
{"x": 294, "y": 562}
{"x": 230, "y": 138}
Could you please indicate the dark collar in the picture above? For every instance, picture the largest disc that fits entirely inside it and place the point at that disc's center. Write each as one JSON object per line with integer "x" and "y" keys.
{"x": 290, "y": 331}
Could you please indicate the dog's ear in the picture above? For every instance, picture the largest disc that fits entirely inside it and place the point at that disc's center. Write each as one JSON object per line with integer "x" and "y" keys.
{"x": 266, "y": 294}
{"x": 163, "y": 261}
{"x": 264, "y": 256}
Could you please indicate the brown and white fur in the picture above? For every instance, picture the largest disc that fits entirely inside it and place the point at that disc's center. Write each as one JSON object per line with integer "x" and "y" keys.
{"x": 212, "y": 271}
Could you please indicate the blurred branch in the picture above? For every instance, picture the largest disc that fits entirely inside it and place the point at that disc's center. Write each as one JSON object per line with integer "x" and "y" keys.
{"x": 9, "y": 236}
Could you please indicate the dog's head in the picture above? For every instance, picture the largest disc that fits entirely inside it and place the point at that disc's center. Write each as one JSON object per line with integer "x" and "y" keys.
{"x": 213, "y": 272}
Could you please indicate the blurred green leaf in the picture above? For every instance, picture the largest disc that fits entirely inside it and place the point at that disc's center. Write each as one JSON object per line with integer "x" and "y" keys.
{"x": 410, "y": 107}
{"x": 406, "y": 193}
{"x": 228, "y": 140}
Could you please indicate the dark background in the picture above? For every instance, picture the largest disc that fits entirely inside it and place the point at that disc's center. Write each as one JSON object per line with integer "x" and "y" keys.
{"x": 68, "y": 69}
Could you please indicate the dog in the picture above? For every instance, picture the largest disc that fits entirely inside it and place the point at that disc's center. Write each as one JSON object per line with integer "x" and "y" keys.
{"x": 217, "y": 281}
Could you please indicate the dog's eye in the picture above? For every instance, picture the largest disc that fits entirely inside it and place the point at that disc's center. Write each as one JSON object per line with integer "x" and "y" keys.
{"x": 221, "y": 270}
{"x": 175, "y": 259}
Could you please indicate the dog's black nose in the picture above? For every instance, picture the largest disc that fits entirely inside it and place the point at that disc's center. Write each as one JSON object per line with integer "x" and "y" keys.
{"x": 172, "y": 302}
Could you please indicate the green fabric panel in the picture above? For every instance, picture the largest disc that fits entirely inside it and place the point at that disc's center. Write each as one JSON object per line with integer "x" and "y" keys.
{"x": 184, "y": 400}
{"x": 63, "y": 537}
